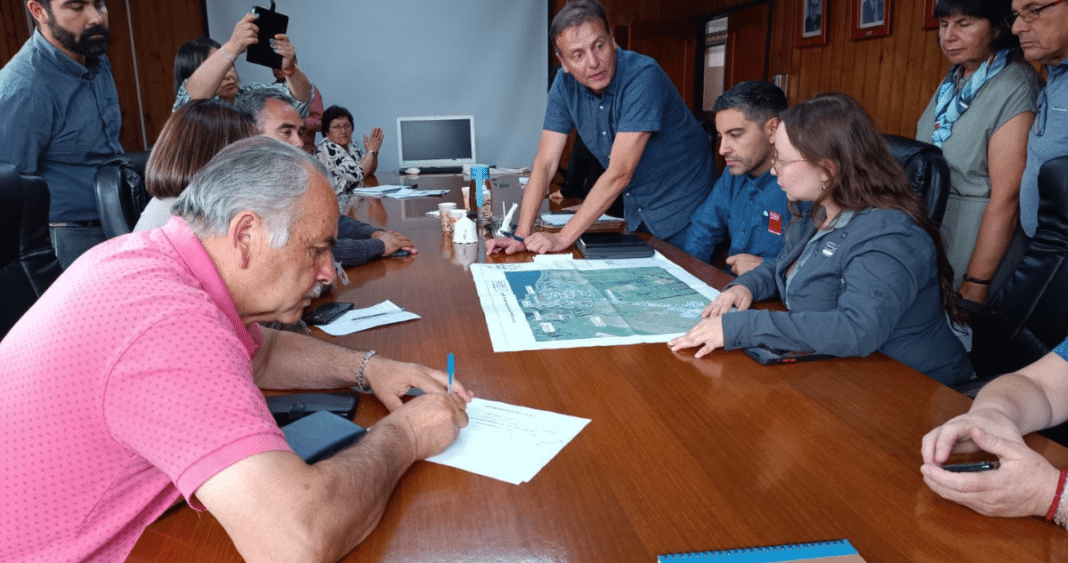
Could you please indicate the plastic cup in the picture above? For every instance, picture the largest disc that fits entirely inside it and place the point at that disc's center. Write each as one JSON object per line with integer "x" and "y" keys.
{"x": 443, "y": 211}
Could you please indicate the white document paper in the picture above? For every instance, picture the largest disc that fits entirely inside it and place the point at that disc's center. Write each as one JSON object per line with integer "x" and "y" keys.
{"x": 396, "y": 192}
{"x": 507, "y": 442}
{"x": 554, "y": 257}
{"x": 555, "y": 304}
{"x": 561, "y": 219}
{"x": 378, "y": 190}
{"x": 408, "y": 193}
{"x": 384, "y": 313}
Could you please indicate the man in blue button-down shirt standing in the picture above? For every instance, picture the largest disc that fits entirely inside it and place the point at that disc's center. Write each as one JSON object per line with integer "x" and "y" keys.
{"x": 1043, "y": 29}
{"x": 746, "y": 206}
{"x": 61, "y": 115}
{"x": 631, "y": 117}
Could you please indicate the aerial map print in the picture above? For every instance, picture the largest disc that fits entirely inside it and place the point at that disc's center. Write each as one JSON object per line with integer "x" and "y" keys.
{"x": 577, "y": 303}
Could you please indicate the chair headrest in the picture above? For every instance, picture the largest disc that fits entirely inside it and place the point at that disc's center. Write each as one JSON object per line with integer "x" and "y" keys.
{"x": 1053, "y": 199}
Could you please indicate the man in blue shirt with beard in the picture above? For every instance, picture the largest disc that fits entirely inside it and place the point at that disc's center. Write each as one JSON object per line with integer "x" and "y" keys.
{"x": 61, "y": 115}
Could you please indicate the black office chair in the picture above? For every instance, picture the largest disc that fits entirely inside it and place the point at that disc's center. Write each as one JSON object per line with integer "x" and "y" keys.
{"x": 927, "y": 171}
{"x": 120, "y": 192}
{"x": 1028, "y": 317}
{"x": 28, "y": 265}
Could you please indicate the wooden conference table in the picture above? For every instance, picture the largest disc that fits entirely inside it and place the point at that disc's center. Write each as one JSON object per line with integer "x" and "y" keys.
{"x": 681, "y": 454}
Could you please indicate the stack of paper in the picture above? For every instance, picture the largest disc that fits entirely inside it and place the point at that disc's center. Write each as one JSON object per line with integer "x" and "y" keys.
{"x": 397, "y": 192}
{"x": 508, "y": 442}
{"x": 561, "y": 219}
{"x": 362, "y": 319}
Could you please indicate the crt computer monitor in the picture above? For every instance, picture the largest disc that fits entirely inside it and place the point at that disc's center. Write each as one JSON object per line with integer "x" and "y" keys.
{"x": 436, "y": 141}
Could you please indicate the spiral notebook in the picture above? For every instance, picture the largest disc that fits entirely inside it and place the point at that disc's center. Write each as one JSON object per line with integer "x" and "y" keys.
{"x": 834, "y": 551}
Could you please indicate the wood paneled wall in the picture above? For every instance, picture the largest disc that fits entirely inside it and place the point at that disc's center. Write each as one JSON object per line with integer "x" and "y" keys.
{"x": 893, "y": 77}
{"x": 141, "y": 61}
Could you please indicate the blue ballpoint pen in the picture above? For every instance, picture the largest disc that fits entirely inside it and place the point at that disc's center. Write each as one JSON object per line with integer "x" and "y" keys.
{"x": 510, "y": 235}
{"x": 452, "y": 369}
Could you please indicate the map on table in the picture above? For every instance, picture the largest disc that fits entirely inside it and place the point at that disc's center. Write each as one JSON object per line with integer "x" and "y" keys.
{"x": 576, "y": 303}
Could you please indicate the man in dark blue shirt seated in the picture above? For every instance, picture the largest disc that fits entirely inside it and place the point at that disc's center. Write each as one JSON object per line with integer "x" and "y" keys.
{"x": 746, "y": 206}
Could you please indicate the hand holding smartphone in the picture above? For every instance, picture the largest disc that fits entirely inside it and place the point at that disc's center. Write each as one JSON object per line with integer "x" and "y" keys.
{"x": 269, "y": 23}
{"x": 972, "y": 467}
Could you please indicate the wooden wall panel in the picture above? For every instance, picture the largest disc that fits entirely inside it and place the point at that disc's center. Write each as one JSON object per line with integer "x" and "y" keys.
{"x": 120, "y": 53}
{"x": 158, "y": 37}
{"x": 14, "y": 28}
{"x": 893, "y": 77}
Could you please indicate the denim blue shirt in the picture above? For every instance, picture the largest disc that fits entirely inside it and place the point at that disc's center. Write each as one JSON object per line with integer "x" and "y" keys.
{"x": 1048, "y": 139}
{"x": 60, "y": 121}
{"x": 751, "y": 212}
{"x": 1062, "y": 349}
{"x": 867, "y": 283}
{"x": 676, "y": 169}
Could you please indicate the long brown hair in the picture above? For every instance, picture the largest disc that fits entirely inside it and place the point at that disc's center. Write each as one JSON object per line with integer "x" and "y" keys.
{"x": 832, "y": 131}
{"x": 191, "y": 137}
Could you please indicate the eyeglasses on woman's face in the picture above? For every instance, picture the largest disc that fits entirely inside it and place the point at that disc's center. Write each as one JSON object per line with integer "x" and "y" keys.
{"x": 780, "y": 165}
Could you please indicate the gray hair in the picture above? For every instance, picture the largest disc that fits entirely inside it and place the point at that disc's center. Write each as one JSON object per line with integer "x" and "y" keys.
{"x": 759, "y": 101}
{"x": 257, "y": 174}
{"x": 576, "y": 13}
{"x": 254, "y": 100}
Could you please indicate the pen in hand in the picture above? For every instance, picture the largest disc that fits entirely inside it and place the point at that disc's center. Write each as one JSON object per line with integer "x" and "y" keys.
{"x": 452, "y": 370}
{"x": 510, "y": 235}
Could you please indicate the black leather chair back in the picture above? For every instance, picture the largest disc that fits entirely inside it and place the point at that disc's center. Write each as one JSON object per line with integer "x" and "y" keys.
{"x": 927, "y": 171}
{"x": 1029, "y": 315}
{"x": 120, "y": 192}
{"x": 28, "y": 265}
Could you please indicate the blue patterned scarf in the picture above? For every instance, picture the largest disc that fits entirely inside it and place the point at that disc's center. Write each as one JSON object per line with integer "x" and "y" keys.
{"x": 952, "y": 105}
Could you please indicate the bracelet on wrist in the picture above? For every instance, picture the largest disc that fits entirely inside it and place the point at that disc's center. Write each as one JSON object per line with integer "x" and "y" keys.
{"x": 228, "y": 57}
{"x": 291, "y": 72}
{"x": 359, "y": 371}
{"x": 1061, "y": 516}
{"x": 1055, "y": 505}
{"x": 977, "y": 281}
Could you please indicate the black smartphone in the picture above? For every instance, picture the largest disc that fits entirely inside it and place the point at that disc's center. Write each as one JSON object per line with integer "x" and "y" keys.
{"x": 972, "y": 467}
{"x": 400, "y": 254}
{"x": 771, "y": 356}
{"x": 326, "y": 312}
{"x": 269, "y": 23}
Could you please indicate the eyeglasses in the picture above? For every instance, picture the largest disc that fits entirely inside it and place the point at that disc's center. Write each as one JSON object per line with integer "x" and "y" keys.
{"x": 778, "y": 165}
{"x": 1031, "y": 14}
{"x": 348, "y": 126}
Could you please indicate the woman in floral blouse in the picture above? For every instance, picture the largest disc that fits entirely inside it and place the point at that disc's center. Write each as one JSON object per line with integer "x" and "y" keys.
{"x": 345, "y": 161}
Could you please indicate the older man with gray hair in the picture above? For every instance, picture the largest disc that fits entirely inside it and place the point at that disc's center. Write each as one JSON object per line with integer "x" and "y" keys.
{"x": 134, "y": 381}
{"x": 357, "y": 242}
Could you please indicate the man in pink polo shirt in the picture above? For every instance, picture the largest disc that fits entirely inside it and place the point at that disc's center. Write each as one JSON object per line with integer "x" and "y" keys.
{"x": 134, "y": 382}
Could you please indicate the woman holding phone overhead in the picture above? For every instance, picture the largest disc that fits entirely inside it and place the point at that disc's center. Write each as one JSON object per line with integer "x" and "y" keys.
{"x": 863, "y": 271}
{"x": 205, "y": 69}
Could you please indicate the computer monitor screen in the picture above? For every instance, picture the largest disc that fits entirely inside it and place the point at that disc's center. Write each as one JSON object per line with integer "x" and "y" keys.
{"x": 436, "y": 141}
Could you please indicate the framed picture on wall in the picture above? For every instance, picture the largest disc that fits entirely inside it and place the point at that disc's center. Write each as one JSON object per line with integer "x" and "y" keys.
{"x": 811, "y": 23}
{"x": 870, "y": 18}
{"x": 929, "y": 21}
